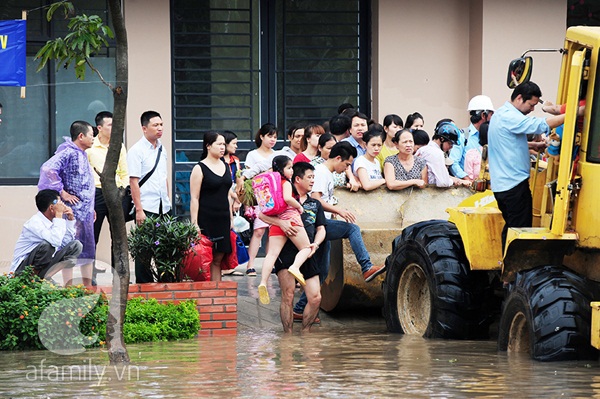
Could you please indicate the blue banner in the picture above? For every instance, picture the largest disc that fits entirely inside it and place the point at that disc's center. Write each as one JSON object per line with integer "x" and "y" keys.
{"x": 13, "y": 44}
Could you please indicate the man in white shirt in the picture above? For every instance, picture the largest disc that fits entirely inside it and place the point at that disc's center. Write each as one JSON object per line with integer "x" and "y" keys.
{"x": 152, "y": 198}
{"x": 341, "y": 156}
{"x": 47, "y": 241}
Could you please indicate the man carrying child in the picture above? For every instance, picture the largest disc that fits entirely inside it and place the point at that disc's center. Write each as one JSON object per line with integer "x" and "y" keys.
{"x": 314, "y": 221}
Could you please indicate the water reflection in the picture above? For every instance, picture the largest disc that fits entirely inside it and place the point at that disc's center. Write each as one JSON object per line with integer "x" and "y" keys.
{"x": 326, "y": 363}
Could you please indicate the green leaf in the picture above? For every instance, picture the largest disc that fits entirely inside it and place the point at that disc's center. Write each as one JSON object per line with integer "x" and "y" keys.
{"x": 107, "y": 31}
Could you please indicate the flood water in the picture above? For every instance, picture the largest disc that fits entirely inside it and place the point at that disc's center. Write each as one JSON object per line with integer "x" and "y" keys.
{"x": 327, "y": 363}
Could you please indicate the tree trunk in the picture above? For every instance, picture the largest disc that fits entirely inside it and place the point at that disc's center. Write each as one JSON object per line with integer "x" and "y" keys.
{"x": 117, "y": 351}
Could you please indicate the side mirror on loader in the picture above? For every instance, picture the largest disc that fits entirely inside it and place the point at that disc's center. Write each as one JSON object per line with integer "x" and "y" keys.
{"x": 519, "y": 71}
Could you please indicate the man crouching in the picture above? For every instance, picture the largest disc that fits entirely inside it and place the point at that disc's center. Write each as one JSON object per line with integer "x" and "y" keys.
{"x": 47, "y": 241}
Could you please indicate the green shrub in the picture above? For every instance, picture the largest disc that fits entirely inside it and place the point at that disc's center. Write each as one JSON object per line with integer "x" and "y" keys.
{"x": 74, "y": 316}
{"x": 70, "y": 317}
{"x": 148, "y": 320}
{"x": 161, "y": 243}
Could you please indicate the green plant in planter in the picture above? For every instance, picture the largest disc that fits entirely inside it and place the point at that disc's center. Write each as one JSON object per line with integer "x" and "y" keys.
{"x": 161, "y": 243}
{"x": 35, "y": 314}
{"x": 148, "y": 320}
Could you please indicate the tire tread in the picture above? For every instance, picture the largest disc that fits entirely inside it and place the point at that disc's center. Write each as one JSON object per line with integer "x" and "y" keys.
{"x": 558, "y": 301}
{"x": 458, "y": 293}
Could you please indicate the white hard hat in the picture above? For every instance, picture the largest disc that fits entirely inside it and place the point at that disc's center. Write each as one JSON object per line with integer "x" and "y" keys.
{"x": 480, "y": 103}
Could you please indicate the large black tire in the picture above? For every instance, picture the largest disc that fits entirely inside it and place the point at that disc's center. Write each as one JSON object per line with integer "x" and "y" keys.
{"x": 429, "y": 289}
{"x": 547, "y": 314}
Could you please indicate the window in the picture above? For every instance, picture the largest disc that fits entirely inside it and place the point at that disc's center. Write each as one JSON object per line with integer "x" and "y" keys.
{"x": 241, "y": 63}
{"x": 33, "y": 127}
{"x": 322, "y": 59}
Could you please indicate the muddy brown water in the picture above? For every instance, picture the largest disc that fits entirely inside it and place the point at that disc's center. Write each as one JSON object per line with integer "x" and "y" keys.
{"x": 327, "y": 363}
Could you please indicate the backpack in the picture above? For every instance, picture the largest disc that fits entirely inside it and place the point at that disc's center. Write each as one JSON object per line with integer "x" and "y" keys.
{"x": 268, "y": 190}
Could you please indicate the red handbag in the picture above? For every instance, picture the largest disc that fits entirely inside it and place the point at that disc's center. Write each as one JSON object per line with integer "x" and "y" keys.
{"x": 230, "y": 261}
{"x": 196, "y": 264}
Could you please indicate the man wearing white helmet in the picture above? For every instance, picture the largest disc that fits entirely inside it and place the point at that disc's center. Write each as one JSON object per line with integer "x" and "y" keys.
{"x": 480, "y": 110}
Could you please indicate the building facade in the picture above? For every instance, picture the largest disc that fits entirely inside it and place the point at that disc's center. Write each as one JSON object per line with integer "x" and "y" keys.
{"x": 236, "y": 64}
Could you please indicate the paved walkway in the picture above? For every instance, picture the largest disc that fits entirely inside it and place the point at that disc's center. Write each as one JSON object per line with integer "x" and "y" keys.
{"x": 254, "y": 315}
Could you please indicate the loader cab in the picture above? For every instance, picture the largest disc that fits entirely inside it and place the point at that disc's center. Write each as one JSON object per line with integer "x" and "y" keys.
{"x": 565, "y": 197}
{"x": 585, "y": 219}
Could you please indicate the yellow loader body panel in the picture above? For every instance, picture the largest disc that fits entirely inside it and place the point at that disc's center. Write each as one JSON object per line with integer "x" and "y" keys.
{"x": 596, "y": 325}
{"x": 481, "y": 231}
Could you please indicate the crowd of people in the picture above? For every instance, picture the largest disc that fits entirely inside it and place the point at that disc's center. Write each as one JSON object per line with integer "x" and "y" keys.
{"x": 350, "y": 150}
{"x": 63, "y": 234}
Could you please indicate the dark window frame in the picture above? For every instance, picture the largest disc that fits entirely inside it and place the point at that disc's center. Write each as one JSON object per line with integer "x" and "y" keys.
{"x": 270, "y": 110}
{"x": 35, "y": 41}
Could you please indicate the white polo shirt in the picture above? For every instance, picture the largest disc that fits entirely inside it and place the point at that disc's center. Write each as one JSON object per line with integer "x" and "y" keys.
{"x": 140, "y": 161}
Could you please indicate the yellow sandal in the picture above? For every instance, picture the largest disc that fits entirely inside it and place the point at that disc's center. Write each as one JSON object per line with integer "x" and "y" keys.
{"x": 263, "y": 295}
{"x": 298, "y": 276}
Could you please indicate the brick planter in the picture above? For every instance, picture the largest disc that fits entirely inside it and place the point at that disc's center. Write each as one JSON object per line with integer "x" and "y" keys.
{"x": 216, "y": 302}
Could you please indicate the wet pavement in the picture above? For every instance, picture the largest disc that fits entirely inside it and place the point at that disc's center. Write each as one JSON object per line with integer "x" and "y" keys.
{"x": 252, "y": 315}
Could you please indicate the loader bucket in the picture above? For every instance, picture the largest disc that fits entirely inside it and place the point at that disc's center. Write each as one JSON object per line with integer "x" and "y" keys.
{"x": 381, "y": 215}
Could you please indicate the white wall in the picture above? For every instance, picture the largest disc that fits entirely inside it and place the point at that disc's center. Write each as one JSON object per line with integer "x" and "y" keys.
{"x": 423, "y": 48}
{"x": 510, "y": 28}
{"x": 433, "y": 56}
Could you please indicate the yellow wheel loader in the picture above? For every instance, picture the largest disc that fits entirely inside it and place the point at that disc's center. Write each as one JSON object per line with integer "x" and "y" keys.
{"x": 450, "y": 278}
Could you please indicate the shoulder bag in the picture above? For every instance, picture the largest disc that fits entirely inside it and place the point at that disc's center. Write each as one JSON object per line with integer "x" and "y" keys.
{"x": 127, "y": 202}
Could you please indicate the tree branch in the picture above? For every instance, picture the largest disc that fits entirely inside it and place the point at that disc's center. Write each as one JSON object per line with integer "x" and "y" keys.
{"x": 93, "y": 68}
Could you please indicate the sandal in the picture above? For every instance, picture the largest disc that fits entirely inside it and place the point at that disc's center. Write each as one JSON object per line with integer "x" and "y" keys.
{"x": 251, "y": 272}
{"x": 263, "y": 295}
{"x": 298, "y": 276}
{"x": 231, "y": 272}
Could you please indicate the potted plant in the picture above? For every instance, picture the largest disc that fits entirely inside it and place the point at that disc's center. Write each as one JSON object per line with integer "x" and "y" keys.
{"x": 161, "y": 243}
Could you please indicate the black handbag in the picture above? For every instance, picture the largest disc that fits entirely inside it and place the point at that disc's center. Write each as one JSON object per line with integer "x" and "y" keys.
{"x": 127, "y": 201}
{"x": 247, "y": 234}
